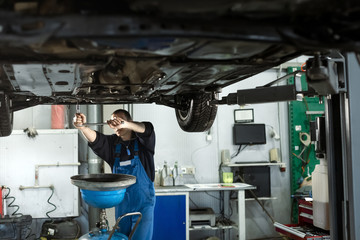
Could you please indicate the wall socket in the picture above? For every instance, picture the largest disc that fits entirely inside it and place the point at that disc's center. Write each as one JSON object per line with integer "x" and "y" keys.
{"x": 188, "y": 170}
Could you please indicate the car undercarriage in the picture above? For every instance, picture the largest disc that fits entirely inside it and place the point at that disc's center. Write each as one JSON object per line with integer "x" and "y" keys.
{"x": 164, "y": 52}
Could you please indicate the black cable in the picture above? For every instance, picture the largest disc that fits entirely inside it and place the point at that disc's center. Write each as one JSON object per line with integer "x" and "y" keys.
{"x": 52, "y": 193}
{"x": 30, "y": 233}
{"x": 78, "y": 228}
{"x": 213, "y": 196}
{"x": 231, "y": 209}
{"x": 222, "y": 219}
{"x": 193, "y": 202}
{"x": 238, "y": 151}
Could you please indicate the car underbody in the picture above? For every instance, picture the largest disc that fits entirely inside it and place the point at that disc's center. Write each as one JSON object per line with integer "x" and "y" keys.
{"x": 175, "y": 54}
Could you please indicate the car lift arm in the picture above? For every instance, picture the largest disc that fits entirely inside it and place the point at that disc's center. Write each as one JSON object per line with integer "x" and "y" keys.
{"x": 324, "y": 76}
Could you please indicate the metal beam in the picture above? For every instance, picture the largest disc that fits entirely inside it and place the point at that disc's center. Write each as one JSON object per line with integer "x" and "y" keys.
{"x": 353, "y": 161}
{"x": 260, "y": 95}
{"x": 343, "y": 154}
{"x": 334, "y": 155}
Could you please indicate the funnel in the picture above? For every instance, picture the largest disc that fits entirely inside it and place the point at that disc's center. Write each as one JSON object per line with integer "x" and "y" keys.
{"x": 103, "y": 190}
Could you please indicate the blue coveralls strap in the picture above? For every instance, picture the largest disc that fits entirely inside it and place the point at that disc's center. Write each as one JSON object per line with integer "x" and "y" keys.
{"x": 139, "y": 197}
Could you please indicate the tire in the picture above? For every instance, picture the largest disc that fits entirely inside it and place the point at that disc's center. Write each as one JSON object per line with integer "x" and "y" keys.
{"x": 199, "y": 115}
{"x": 6, "y": 116}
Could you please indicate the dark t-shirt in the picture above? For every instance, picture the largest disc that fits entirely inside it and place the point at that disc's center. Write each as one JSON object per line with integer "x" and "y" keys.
{"x": 104, "y": 147}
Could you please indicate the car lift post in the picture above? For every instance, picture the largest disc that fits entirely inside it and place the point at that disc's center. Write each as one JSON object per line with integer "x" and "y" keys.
{"x": 343, "y": 117}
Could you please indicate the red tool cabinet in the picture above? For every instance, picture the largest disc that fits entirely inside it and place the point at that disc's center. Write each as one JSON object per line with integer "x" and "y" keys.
{"x": 305, "y": 229}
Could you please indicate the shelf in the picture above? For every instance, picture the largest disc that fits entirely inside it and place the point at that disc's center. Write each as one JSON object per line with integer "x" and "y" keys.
{"x": 207, "y": 227}
{"x": 249, "y": 164}
{"x": 261, "y": 198}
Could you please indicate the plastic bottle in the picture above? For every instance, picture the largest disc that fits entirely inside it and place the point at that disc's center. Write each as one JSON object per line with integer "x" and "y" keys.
{"x": 320, "y": 192}
{"x": 166, "y": 176}
{"x": 165, "y": 170}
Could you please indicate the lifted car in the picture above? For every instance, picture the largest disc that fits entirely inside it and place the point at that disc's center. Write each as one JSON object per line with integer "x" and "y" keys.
{"x": 175, "y": 53}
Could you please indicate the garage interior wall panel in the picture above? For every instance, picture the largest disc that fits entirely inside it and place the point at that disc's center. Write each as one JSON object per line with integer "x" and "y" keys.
{"x": 19, "y": 156}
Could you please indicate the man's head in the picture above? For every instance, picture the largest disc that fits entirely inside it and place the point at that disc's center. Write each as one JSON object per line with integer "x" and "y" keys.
{"x": 122, "y": 114}
{"x": 125, "y": 115}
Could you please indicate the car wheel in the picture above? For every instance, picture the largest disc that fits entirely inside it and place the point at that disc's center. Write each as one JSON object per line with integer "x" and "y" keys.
{"x": 199, "y": 114}
{"x": 6, "y": 116}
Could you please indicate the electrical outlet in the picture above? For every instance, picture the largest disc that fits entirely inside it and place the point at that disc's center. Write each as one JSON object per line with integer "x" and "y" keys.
{"x": 190, "y": 170}
{"x": 208, "y": 138}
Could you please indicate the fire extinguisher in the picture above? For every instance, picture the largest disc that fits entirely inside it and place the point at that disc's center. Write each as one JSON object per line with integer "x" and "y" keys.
{"x": 1, "y": 204}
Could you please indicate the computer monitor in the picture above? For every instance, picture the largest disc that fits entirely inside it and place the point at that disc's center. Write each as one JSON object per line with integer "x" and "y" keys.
{"x": 249, "y": 134}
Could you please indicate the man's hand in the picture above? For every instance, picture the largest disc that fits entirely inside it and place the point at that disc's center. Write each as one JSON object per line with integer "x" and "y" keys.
{"x": 117, "y": 123}
{"x": 79, "y": 120}
{"x": 80, "y": 123}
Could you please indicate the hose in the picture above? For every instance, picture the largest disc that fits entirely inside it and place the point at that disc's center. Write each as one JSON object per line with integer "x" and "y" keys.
{"x": 52, "y": 193}
{"x": 30, "y": 235}
{"x": 7, "y": 197}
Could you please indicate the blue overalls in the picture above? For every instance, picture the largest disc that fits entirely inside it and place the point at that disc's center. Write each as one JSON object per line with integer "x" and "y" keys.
{"x": 140, "y": 197}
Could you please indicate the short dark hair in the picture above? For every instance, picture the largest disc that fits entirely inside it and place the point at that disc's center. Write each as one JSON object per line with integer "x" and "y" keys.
{"x": 126, "y": 114}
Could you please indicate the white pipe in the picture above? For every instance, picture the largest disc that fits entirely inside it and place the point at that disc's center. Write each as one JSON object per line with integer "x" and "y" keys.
{"x": 58, "y": 164}
{"x": 50, "y": 165}
{"x": 35, "y": 187}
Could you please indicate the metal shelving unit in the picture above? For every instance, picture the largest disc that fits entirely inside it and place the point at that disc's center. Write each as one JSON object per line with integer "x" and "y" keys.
{"x": 261, "y": 198}
{"x": 253, "y": 164}
{"x": 213, "y": 228}
{"x": 256, "y": 164}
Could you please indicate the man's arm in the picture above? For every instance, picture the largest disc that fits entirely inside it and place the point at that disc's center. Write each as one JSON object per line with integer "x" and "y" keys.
{"x": 148, "y": 137}
{"x": 137, "y": 127}
{"x": 80, "y": 123}
{"x": 119, "y": 123}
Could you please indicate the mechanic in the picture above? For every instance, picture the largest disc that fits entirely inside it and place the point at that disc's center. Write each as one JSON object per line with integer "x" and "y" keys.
{"x": 129, "y": 151}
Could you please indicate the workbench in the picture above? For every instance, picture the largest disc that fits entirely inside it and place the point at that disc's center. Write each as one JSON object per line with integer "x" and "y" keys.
{"x": 187, "y": 188}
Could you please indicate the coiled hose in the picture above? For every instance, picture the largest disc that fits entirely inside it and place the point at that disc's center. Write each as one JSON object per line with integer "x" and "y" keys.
{"x": 52, "y": 193}
{"x": 7, "y": 197}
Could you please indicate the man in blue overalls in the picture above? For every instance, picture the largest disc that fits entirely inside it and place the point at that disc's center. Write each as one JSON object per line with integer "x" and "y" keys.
{"x": 129, "y": 151}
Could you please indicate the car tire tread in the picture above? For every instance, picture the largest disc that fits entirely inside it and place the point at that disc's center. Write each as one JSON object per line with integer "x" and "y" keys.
{"x": 6, "y": 116}
{"x": 200, "y": 116}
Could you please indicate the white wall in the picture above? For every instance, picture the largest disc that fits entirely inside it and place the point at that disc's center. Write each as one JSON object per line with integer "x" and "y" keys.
{"x": 38, "y": 117}
{"x": 173, "y": 144}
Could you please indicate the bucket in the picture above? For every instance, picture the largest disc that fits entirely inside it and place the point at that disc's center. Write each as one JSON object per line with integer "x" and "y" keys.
{"x": 103, "y": 199}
